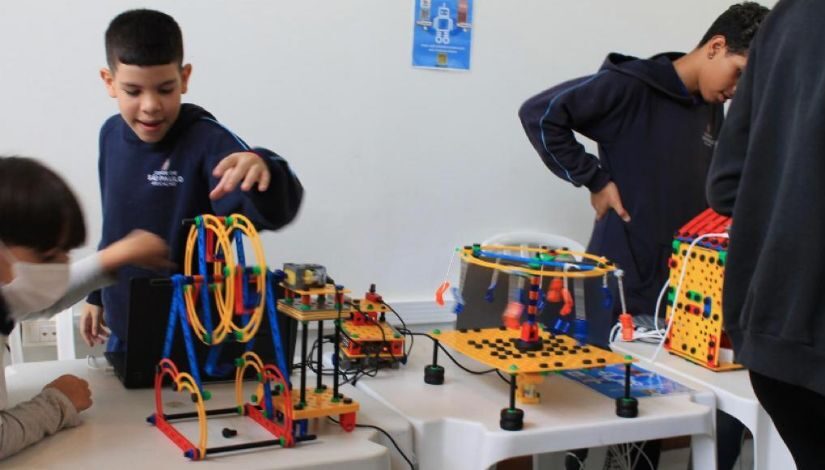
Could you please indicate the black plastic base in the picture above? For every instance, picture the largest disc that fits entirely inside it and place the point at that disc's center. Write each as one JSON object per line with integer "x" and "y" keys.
{"x": 523, "y": 346}
{"x": 512, "y": 419}
{"x": 434, "y": 375}
{"x": 627, "y": 407}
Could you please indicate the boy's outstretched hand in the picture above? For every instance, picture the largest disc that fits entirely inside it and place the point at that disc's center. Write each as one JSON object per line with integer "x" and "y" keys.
{"x": 246, "y": 168}
{"x": 608, "y": 198}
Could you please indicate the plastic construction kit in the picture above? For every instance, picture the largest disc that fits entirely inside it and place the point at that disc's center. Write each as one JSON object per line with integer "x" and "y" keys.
{"x": 218, "y": 299}
{"x": 521, "y": 348}
{"x": 694, "y": 293}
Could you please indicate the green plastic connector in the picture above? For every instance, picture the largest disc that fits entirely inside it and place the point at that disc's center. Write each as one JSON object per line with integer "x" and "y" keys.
{"x": 226, "y": 271}
{"x": 238, "y": 335}
{"x": 628, "y": 357}
{"x": 207, "y": 338}
{"x": 283, "y": 442}
{"x": 436, "y": 331}
{"x": 259, "y": 377}
{"x": 253, "y": 398}
{"x": 229, "y": 220}
{"x": 239, "y": 409}
{"x": 319, "y": 390}
{"x": 533, "y": 265}
{"x": 723, "y": 257}
{"x": 207, "y": 395}
{"x": 239, "y": 362}
{"x": 198, "y": 221}
{"x": 676, "y": 245}
{"x": 396, "y": 335}
{"x": 514, "y": 367}
{"x": 305, "y": 307}
{"x": 257, "y": 270}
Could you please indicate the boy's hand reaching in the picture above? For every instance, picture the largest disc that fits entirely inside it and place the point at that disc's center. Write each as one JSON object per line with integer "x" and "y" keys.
{"x": 608, "y": 198}
{"x": 93, "y": 329}
{"x": 246, "y": 168}
{"x": 75, "y": 389}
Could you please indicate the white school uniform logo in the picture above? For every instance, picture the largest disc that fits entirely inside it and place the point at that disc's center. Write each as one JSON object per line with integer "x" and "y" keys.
{"x": 165, "y": 177}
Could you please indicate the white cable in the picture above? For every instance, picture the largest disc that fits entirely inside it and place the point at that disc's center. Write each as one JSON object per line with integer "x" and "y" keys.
{"x": 92, "y": 362}
{"x": 619, "y": 275}
{"x": 658, "y": 305}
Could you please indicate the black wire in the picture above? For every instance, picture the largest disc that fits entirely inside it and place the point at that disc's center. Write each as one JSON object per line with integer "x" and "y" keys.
{"x": 447, "y": 352}
{"x": 385, "y": 433}
{"x": 404, "y": 326}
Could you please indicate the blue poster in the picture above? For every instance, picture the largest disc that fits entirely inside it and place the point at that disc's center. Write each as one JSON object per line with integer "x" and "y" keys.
{"x": 442, "y": 34}
{"x": 609, "y": 381}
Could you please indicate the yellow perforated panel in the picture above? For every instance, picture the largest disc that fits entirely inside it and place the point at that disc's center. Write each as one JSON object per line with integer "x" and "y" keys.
{"x": 697, "y": 316}
{"x": 496, "y": 348}
{"x": 319, "y": 404}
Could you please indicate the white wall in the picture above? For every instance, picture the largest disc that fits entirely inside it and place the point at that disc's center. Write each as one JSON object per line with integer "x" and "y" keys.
{"x": 400, "y": 165}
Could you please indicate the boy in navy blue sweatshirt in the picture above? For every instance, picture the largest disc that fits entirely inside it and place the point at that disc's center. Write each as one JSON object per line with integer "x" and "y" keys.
{"x": 162, "y": 161}
{"x": 655, "y": 121}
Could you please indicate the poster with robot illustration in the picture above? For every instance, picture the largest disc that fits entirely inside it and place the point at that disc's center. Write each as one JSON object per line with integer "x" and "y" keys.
{"x": 442, "y": 34}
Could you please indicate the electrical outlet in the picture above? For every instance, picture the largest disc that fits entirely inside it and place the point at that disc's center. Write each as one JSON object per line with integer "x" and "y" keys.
{"x": 39, "y": 333}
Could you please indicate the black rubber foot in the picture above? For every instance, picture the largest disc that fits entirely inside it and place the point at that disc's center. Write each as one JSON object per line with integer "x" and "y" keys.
{"x": 434, "y": 375}
{"x": 627, "y": 407}
{"x": 512, "y": 419}
{"x": 523, "y": 346}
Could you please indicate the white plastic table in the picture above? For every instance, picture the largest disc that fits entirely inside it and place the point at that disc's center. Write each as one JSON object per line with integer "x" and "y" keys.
{"x": 114, "y": 432}
{"x": 734, "y": 396}
{"x": 457, "y": 424}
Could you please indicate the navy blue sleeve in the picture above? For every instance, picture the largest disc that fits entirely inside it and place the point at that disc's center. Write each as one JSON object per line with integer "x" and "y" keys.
{"x": 94, "y": 297}
{"x": 270, "y": 209}
{"x": 589, "y": 105}
{"x": 728, "y": 160}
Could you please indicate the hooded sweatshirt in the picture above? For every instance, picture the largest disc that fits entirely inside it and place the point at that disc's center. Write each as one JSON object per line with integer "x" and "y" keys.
{"x": 155, "y": 186}
{"x": 767, "y": 172}
{"x": 655, "y": 142}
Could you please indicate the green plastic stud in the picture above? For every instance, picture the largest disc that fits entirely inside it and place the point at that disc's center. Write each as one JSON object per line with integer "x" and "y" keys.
{"x": 207, "y": 395}
{"x": 253, "y": 398}
{"x": 198, "y": 221}
{"x": 239, "y": 362}
{"x": 436, "y": 331}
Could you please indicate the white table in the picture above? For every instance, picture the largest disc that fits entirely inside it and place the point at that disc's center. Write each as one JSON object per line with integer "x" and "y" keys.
{"x": 457, "y": 424}
{"x": 114, "y": 432}
{"x": 734, "y": 396}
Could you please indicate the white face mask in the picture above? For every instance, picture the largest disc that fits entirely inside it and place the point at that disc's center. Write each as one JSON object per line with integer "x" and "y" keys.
{"x": 35, "y": 286}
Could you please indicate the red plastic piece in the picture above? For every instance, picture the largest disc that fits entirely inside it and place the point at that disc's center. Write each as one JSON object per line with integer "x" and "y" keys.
{"x": 627, "y": 326}
{"x": 347, "y": 421}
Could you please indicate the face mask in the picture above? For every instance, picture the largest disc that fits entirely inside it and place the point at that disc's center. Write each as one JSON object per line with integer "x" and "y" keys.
{"x": 35, "y": 287}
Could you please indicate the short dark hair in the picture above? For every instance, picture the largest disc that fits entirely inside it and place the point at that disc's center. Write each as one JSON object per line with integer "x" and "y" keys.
{"x": 738, "y": 24}
{"x": 37, "y": 208}
{"x": 143, "y": 37}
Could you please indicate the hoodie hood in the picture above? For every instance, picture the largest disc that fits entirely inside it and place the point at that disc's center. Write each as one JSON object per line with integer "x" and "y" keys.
{"x": 657, "y": 72}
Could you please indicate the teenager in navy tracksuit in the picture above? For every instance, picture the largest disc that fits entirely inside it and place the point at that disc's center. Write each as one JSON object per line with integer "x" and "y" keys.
{"x": 656, "y": 122}
{"x": 162, "y": 161}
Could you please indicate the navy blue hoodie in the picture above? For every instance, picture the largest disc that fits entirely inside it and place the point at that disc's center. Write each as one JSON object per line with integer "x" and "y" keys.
{"x": 655, "y": 142}
{"x": 154, "y": 186}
